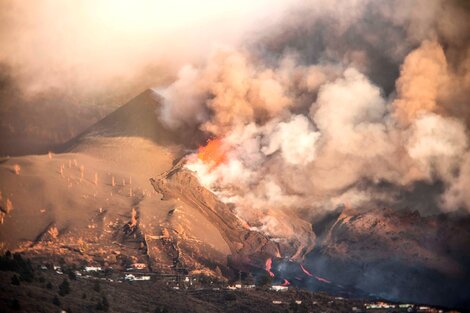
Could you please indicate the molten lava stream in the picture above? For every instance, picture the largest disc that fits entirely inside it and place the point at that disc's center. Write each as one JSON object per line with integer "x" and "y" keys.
{"x": 324, "y": 280}
{"x": 285, "y": 283}
{"x": 269, "y": 264}
{"x": 305, "y": 271}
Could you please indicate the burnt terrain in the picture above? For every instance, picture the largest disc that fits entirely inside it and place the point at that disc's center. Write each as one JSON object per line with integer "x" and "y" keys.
{"x": 119, "y": 198}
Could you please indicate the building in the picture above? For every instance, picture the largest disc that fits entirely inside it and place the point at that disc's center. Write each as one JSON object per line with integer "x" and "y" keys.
{"x": 279, "y": 288}
{"x": 131, "y": 277}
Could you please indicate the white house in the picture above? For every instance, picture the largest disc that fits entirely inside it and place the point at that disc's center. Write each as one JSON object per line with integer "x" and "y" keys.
{"x": 279, "y": 288}
{"x": 131, "y": 277}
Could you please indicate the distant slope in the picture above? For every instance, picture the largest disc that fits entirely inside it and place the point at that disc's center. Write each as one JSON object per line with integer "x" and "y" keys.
{"x": 399, "y": 255}
{"x": 137, "y": 118}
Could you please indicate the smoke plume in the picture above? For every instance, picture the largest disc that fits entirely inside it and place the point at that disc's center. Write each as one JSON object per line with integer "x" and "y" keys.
{"x": 66, "y": 64}
{"x": 336, "y": 101}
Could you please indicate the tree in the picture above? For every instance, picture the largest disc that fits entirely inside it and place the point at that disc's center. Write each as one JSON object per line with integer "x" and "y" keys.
{"x": 96, "y": 286}
{"x": 71, "y": 274}
{"x": 15, "y": 305}
{"x": 161, "y": 309}
{"x": 230, "y": 297}
{"x": 64, "y": 288}
{"x": 56, "y": 301}
{"x": 103, "y": 304}
{"x": 264, "y": 281}
{"x": 249, "y": 279}
{"x": 15, "y": 281}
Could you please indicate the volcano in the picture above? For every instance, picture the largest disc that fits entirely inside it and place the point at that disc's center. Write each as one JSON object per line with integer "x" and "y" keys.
{"x": 119, "y": 196}
{"x": 95, "y": 197}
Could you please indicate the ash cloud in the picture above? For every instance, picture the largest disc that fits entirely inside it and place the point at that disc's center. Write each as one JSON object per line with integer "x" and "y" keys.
{"x": 77, "y": 61}
{"x": 335, "y": 102}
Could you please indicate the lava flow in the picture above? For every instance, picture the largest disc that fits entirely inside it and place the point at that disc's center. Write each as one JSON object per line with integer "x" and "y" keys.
{"x": 324, "y": 280}
{"x": 213, "y": 153}
{"x": 305, "y": 271}
{"x": 269, "y": 263}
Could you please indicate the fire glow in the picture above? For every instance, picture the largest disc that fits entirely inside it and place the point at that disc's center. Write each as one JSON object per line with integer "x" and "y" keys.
{"x": 285, "y": 283}
{"x": 324, "y": 280}
{"x": 213, "y": 153}
{"x": 269, "y": 264}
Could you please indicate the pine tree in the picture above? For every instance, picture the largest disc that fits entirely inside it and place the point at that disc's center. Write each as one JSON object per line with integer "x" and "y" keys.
{"x": 15, "y": 305}
{"x": 56, "y": 301}
{"x": 96, "y": 286}
{"x": 15, "y": 281}
{"x": 103, "y": 304}
{"x": 64, "y": 288}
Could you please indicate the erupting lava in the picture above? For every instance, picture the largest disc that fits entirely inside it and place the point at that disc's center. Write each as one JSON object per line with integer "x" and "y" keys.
{"x": 324, "y": 280}
{"x": 269, "y": 264}
{"x": 213, "y": 153}
{"x": 305, "y": 271}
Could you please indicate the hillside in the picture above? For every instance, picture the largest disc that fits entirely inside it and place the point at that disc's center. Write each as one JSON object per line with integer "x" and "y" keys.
{"x": 94, "y": 201}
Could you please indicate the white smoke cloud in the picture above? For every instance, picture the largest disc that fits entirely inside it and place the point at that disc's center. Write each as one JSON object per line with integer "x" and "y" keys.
{"x": 295, "y": 139}
{"x": 313, "y": 135}
{"x": 437, "y": 144}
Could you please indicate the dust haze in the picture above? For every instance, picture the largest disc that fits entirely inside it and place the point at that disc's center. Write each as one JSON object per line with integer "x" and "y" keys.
{"x": 78, "y": 61}
{"x": 337, "y": 101}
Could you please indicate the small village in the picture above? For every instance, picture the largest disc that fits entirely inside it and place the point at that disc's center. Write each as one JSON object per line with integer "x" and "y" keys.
{"x": 137, "y": 273}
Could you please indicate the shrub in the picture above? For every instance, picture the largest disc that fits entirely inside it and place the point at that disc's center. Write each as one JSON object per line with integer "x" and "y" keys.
{"x": 71, "y": 274}
{"x": 56, "y": 301}
{"x": 96, "y": 286}
{"x": 264, "y": 281}
{"x": 230, "y": 297}
{"x": 64, "y": 288}
{"x": 161, "y": 309}
{"x": 15, "y": 281}
{"x": 103, "y": 304}
{"x": 15, "y": 305}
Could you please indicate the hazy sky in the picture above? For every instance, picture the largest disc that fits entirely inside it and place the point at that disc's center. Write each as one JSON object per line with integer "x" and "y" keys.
{"x": 75, "y": 44}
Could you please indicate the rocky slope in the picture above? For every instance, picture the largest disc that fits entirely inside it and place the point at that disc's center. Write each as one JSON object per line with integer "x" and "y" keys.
{"x": 398, "y": 255}
{"x": 246, "y": 247}
{"x": 93, "y": 202}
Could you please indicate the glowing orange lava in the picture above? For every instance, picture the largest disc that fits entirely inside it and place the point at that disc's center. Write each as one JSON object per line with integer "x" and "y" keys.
{"x": 324, "y": 280}
{"x": 305, "y": 271}
{"x": 269, "y": 263}
{"x": 285, "y": 283}
{"x": 213, "y": 153}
